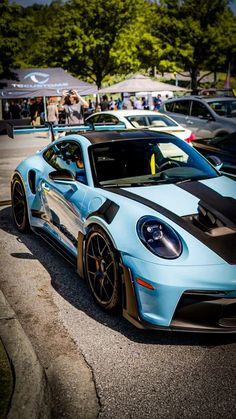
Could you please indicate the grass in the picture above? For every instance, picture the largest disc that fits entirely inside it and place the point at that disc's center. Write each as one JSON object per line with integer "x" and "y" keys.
{"x": 6, "y": 382}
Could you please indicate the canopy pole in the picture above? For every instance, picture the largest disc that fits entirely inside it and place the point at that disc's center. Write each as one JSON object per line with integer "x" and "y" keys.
{"x": 45, "y": 108}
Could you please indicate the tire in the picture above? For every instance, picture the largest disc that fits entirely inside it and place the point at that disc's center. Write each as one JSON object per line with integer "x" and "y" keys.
{"x": 19, "y": 206}
{"x": 221, "y": 134}
{"x": 101, "y": 269}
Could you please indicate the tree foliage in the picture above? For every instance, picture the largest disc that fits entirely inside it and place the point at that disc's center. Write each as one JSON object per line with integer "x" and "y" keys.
{"x": 98, "y": 39}
{"x": 198, "y": 33}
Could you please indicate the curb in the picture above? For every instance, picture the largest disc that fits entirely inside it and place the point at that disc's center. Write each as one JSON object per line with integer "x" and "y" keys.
{"x": 31, "y": 396}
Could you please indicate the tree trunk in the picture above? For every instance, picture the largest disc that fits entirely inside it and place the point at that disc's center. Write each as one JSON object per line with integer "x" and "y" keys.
{"x": 194, "y": 72}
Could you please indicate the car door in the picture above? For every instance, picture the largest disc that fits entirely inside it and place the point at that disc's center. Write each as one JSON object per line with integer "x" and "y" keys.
{"x": 63, "y": 198}
{"x": 201, "y": 119}
{"x": 179, "y": 110}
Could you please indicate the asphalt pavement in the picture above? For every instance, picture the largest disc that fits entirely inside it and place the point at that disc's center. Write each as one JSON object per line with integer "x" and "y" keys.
{"x": 66, "y": 390}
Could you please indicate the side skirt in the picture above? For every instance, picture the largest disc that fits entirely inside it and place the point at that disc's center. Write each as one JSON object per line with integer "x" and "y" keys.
{"x": 56, "y": 245}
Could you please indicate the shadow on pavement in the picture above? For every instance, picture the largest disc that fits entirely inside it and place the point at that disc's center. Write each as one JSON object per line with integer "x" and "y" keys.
{"x": 76, "y": 292}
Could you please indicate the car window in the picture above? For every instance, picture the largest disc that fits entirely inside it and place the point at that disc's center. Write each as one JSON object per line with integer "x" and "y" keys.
{"x": 138, "y": 121}
{"x": 104, "y": 119}
{"x": 224, "y": 108}
{"x": 181, "y": 106}
{"x": 94, "y": 119}
{"x": 137, "y": 162}
{"x": 169, "y": 106}
{"x": 161, "y": 121}
{"x": 67, "y": 155}
{"x": 151, "y": 121}
{"x": 199, "y": 110}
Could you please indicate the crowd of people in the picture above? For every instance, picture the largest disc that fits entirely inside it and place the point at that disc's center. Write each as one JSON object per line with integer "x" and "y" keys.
{"x": 71, "y": 108}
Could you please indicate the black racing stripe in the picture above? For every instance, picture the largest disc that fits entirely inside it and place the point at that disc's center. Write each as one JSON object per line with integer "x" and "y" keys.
{"x": 222, "y": 207}
{"x": 224, "y": 245}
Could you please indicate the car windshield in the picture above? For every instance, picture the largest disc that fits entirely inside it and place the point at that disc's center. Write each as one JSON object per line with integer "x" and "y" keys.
{"x": 147, "y": 161}
{"x": 225, "y": 108}
{"x": 140, "y": 121}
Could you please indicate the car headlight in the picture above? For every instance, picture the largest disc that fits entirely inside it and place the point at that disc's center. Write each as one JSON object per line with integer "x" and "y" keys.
{"x": 159, "y": 237}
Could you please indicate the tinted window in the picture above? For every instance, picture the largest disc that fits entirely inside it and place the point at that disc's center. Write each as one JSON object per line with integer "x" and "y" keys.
{"x": 199, "y": 110}
{"x": 169, "y": 106}
{"x": 93, "y": 119}
{"x": 144, "y": 161}
{"x": 104, "y": 118}
{"x": 182, "y": 106}
{"x": 224, "y": 108}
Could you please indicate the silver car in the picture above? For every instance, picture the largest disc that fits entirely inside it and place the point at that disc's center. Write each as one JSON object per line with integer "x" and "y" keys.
{"x": 207, "y": 117}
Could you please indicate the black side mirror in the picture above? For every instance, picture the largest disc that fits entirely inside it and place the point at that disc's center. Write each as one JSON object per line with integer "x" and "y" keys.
{"x": 215, "y": 161}
{"x": 62, "y": 176}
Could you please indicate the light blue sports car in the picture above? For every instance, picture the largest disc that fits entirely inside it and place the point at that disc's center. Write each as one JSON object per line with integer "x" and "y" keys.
{"x": 146, "y": 220}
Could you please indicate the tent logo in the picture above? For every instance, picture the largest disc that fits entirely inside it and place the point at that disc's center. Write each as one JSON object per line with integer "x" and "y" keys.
{"x": 37, "y": 77}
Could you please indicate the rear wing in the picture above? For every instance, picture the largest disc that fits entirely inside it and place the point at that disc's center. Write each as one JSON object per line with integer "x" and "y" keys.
{"x": 13, "y": 130}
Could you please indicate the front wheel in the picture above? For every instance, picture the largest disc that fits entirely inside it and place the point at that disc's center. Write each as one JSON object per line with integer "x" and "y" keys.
{"x": 19, "y": 205}
{"x": 101, "y": 269}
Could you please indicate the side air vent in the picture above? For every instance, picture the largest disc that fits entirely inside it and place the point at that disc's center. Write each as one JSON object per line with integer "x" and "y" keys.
{"x": 31, "y": 180}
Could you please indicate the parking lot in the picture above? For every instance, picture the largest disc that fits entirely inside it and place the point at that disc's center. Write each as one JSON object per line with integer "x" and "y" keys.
{"x": 134, "y": 373}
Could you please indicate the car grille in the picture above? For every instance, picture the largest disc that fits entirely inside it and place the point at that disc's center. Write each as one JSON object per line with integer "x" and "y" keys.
{"x": 205, "y": 311}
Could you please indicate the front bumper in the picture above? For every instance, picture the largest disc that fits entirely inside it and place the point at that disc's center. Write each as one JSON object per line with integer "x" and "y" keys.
{"x": 178, "y": 307}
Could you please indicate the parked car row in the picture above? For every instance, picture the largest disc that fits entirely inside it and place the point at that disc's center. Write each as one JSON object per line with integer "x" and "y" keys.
{"x": 133, "y": 119}
{"x": 207, "y": 117}
{"x": 222, "y": 147}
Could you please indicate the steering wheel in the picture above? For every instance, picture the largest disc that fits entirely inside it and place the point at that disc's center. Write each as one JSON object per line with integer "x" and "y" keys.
{"x": 168, "y": 164}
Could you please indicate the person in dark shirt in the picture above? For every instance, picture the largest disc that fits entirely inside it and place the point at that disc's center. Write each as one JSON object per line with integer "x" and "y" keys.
{"x": 104, "y": 103}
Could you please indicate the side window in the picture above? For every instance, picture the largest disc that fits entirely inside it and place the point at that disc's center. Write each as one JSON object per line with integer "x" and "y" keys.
{"x": 67, "y": 155}
{"x": 199, "y": 110}
{"x": 94, "y": 119}
{"x": 169, "y": 106}
{"x": 108, "y": 119}
{"x": 138, "y": 121}
{"x": 182, "y": 106}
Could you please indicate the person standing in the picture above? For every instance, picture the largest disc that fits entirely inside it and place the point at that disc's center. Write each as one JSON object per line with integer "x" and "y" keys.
{"x": 104, "y": 103}
{"x": 52, "y": 112}
{"x": 73, "y": 104}
{"x": 157, "y": 102}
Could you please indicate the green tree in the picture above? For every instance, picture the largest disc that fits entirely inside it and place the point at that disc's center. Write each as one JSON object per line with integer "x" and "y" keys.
{"x": 10, "y": 45}
{"x": 195, "y": 31}
{"x": 98, "y": 38}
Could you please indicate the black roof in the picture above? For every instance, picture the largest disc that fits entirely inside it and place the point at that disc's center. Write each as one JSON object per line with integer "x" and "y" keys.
{"x": 96, "y": 137}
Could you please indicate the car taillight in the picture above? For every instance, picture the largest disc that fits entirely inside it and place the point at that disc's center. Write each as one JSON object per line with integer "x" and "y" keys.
{"x": 192, "y": 137}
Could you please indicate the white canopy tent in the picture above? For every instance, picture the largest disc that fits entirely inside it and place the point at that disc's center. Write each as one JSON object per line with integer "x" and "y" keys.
{"x": 140, "y": 83}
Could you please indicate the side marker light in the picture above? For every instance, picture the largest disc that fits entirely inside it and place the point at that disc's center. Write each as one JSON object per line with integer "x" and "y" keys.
{"x": 144, "y": 284}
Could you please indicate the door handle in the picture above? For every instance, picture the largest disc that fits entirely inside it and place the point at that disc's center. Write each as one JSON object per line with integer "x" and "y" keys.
{"x": 45, "y": 187}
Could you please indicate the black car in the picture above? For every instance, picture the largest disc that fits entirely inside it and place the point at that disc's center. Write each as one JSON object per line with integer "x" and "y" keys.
{"x": 223, "y": 148}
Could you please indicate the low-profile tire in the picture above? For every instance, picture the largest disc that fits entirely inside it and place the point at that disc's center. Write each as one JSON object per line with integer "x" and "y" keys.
{"x": 101, "y": 269}
{"x": 19, "y": 205}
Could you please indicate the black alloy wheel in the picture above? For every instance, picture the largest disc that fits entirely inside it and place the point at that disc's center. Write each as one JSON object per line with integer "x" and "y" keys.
{"x": 101, "y": 269}
{"x": 19, "y": 205}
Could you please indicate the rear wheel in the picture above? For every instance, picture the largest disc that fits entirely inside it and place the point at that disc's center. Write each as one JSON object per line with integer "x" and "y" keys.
{"x": 19, "y": 205}
{"x": 101, "y": 269}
